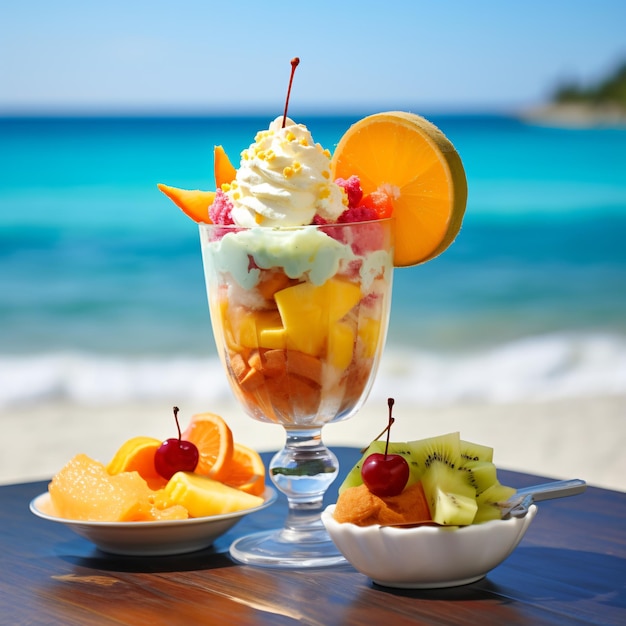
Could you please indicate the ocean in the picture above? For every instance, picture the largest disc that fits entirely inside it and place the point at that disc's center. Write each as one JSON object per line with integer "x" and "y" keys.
{"x": 102, "y": 293}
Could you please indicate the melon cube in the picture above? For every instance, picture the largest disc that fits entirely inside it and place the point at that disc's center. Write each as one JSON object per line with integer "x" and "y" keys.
{"x": 84, "y": 490}
{"x": 202, "y": 496}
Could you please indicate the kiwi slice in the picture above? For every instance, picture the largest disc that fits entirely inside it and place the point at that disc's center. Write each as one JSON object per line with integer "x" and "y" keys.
{"x": 354, "y": 478}
{"x": 488, "y": 500}
{"x": 451, "y": 501}
{"x": 476, "y": 452}
{"x": 449, "y": 492}
{"x": 479, "y": 474}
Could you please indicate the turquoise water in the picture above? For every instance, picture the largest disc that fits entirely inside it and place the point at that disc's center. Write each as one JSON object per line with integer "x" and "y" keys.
{"x": 98, "y": 269}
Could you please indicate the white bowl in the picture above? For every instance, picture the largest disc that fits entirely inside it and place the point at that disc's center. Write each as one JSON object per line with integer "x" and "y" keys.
{"x": 427, "y": 557}
{"x": 159, "y": 538}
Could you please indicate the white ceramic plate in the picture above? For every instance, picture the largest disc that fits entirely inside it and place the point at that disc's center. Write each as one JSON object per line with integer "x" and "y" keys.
{"x": 427, "y": 557}
{"x": 160, "y": 538}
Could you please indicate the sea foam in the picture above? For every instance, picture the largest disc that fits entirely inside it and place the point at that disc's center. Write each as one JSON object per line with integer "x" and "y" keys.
{"x": 528, "y": 370}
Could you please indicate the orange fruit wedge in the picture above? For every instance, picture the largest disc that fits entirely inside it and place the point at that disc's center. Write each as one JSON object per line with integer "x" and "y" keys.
{"x": 414, "y": 163}
{"x": 137, "y": 455}
{"x": 246, "y": 471}
{"x": 224, "y": 170}
{"x": 214, "y": 440}
{"x": 194, "y": 203}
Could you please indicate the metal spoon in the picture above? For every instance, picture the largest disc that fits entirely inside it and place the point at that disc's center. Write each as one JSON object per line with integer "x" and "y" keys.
{"x": 518, "y": 504}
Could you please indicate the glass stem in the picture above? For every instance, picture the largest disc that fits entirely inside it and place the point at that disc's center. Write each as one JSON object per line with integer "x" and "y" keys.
{"x": 303, "y": 470}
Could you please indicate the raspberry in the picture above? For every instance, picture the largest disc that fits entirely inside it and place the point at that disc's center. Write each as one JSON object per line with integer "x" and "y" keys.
{"x": 318, "y": 220}
{"x": 370, "y": 236}
{"x": 358, "y": 214}
{"x": 221, "y": 209}
{"x": 353, "y": 190}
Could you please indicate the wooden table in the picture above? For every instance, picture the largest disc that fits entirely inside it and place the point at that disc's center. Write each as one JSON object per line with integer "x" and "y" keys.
{"x": 570, "y": 568}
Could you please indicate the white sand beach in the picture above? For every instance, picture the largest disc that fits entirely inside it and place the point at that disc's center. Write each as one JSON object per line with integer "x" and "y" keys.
{"x": 571, "y": 438}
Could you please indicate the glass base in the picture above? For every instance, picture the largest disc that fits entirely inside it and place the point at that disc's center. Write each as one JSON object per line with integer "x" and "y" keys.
{"x": 278, "y": 549}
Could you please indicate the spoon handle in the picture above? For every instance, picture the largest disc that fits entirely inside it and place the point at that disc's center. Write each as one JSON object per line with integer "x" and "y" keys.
{"x": 556, "y": 489}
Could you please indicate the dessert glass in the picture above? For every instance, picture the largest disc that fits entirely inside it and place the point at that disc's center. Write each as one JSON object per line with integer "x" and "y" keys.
{"x": 299, "y": 317}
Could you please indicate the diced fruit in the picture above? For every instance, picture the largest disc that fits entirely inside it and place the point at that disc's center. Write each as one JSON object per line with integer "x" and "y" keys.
{"x": 194, "y": 203}
{"x": 214, "y": 440}
{"x": 341, "y": 340}
{"x": 340, "y": 296}
{"x": 487, "y": 502}
{"x": 450, "y": 500}
{"x": 476, "y": 452}
{"x": 301, "y": 311}
{"x": 408, "y": 157}
{"x": 271, "y": 282}
{"x": 203, "y": 496}
{"x": 272, "y": 338}
{"x": 87, "y": 490}
{"x": 255, "y": 329}
{"x": 369, "y": 334}
{"x": 458, "y": 477}
{"x": 480, "y": 474}
{"x": 450, "y": 494}
{"x": 137, "y": 455}
{"x": 84, "y": 490}
{"x": 308, "y": 311}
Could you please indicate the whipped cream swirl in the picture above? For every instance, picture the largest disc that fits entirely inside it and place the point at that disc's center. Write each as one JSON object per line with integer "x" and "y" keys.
{"x": 284, "y": 179}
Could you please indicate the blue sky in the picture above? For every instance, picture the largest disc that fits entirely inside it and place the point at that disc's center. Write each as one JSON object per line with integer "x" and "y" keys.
{"x": 204, "y": 56}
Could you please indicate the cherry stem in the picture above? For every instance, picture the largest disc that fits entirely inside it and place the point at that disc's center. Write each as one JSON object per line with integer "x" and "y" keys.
{"x": 391, "y": 421}
{"x": 294, "y": 63}
{"x": 180, "y": 435}
{"x": 390, "y": 402}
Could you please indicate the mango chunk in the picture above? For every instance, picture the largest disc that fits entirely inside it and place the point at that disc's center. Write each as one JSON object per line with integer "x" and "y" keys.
{"x": 253, "y": 329}
{"x": 341, "y": 345}
{"x": 369, "y": 334}
{"x": 308, "y": 311}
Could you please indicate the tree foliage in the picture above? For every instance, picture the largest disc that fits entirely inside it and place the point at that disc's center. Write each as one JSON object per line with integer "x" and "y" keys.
{"x": 609, "y": 91}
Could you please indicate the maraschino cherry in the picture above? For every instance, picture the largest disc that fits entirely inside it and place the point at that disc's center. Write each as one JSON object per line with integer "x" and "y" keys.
{"x": 176, "y": 455}
{"x": 385, "y": 474}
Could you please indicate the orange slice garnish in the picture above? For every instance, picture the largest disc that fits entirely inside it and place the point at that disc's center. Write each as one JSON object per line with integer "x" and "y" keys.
{"x": 214, "y": 440}
{"x": 224, "y": 170}
{"x": 194, "y": 203}
{"x": 411, "y": 160}
{"x": 246, "y": 471}
{"x": 137, "y": 455}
